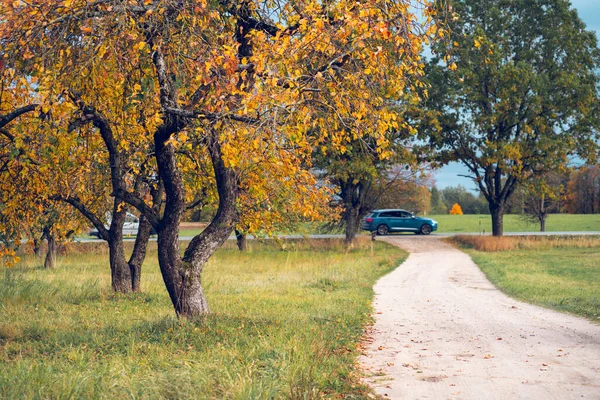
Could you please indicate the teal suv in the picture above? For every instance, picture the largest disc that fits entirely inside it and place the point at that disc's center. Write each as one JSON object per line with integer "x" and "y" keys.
{"x": 387, "y": 221}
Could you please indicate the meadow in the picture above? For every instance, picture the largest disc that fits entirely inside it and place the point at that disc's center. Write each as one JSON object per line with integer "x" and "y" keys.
{"x": 516, "y": 223}
{"x": 286, "y": 322}
{"x": 554, "y": 272}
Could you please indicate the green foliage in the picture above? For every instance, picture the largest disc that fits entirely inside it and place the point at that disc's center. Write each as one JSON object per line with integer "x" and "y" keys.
{"x": 520, "y": 95}
{"x": 563, "y": 278}
{"x": 285, "y": 324}
{"x": 469, "y": 203}
{"x": 437, "y": 204}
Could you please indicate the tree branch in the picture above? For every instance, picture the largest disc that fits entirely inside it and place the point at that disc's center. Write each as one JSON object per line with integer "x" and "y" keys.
{"x": 6, "y": 119}
{"x": 79, "y": 206}
{"x": 149, "y": 212}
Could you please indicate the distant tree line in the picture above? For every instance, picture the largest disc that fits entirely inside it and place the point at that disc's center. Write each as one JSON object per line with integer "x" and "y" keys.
{"x": 571, "y": 192}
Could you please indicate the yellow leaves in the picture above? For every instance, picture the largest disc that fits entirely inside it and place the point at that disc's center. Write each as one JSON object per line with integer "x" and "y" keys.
{"x": 452, "y": 66}
{"x": 8, "y": 257}
{"x": 140, "y": 46}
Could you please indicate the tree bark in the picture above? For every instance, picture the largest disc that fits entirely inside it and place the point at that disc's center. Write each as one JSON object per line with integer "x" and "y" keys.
{"x": 352, "y": 224}
{"x": 353, "y": 197}
{"x": 497, "y": 212}
{"x": 37, "y": 248}
{"x": 119, "y": 268}
{"x": 182, "y": 276}
{"x": 542, "y": 216}
{"x": 139, "y": 253}
{"x": 50, "y": 261}
{"x": 241, "y": 240}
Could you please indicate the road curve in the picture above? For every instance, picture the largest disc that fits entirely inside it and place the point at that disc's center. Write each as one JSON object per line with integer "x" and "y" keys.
{"x": 442, "y": 331}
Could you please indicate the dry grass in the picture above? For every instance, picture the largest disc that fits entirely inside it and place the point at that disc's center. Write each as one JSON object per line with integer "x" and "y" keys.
{"x": 506, "y": 243}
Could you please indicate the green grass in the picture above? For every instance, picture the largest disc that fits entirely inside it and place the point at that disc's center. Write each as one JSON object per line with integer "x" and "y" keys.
{"x": 516, "y": 223}
{"x": 285, "y": 324}
{"x": 565, "y": 278}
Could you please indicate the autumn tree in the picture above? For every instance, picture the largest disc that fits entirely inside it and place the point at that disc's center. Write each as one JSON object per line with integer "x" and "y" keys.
{"x": 583, "y": 191}
{"x": 456, "y": 210}
{"x": 542, "y": 196}
{"x": 244, "y": 82}
{"x": 519, "y": 95}
{"x": 65, "y": 156}
{"x": 406, "y": 188}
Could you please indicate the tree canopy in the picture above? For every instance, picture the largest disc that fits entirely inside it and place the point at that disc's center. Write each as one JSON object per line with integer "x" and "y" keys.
{"x": 519, "y": 96}
{"x": 248, "y": 88}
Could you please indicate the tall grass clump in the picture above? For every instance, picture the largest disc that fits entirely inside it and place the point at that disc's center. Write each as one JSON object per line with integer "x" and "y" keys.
{"x": 506, "y": 243}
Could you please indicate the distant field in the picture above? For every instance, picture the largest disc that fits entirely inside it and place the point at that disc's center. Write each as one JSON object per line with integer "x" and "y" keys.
{"x": 558, "y": 273}
{"x": 516, "y": 223}
{"x": 286, "y": 323}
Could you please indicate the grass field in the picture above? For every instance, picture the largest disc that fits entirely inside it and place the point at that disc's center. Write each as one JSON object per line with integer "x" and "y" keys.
{"x": 558, "y": 273}
{"x": 285, "y": 324}
{"x": 516, "y": 223}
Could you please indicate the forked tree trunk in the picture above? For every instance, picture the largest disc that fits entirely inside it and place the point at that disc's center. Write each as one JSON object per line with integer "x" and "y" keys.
{"x": 50, "y": 261}
{"x": 182, "y": 276}
{"x": 497, "y": 212}
{"x": 182, "y": 279}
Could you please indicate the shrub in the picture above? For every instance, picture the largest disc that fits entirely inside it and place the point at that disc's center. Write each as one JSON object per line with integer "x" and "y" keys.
{"x": 456, "y": 209}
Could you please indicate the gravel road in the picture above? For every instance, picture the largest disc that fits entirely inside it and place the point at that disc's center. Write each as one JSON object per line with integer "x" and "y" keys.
{"x": 443, "y": 331}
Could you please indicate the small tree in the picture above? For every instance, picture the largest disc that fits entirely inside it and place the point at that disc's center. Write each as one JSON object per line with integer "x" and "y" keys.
{"x": 456, "y": 209}
{"x": 542, "y": 197}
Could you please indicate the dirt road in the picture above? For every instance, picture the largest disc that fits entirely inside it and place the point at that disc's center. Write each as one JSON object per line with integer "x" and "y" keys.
{"x": 443, "y": 331}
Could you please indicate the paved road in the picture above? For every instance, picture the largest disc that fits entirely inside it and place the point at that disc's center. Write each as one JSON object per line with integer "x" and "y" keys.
{"x": 443, "y": 331}
{"x": 187, "y": 238}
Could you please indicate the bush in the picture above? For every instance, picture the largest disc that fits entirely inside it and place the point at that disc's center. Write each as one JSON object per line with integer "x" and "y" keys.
{"x": 456, "y": 209}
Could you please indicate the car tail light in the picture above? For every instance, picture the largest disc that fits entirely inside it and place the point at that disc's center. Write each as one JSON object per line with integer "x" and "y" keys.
{"x": 369, "y": 220}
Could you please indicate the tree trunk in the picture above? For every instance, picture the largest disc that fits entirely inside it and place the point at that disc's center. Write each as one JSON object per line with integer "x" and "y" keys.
{"x": 542, "y": 216}
{"x": 50, "y": 261}
{"x": 139, "y": 253}
{"x": 182, "y": 276}
{"x": 542, "y": 219}
{"x": 182, "y": 279}
{"x": 119, "y": 268}
{"x": 352, "y": 195}
{"x": 241, "y": 240}
{"x": 497, "y": 212}
{"x": 37, "y": 245}
{"x": 352, "y": 224}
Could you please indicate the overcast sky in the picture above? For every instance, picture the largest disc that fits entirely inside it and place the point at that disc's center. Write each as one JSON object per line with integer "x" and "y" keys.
{"x": 589, "y": 12}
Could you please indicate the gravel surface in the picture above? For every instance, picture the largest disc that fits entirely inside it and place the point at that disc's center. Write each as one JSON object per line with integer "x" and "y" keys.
{"x": 443, "y": 331}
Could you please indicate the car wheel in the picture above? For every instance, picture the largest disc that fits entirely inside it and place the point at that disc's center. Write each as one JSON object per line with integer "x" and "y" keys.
{"x": 426, "y": 229}
{"x": 382, "y": 230}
